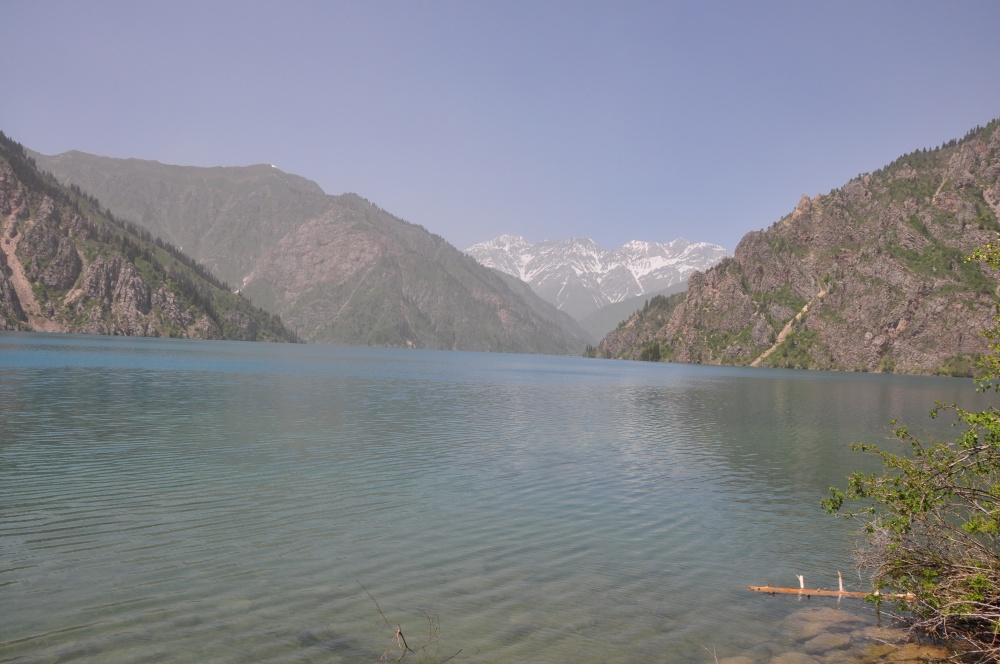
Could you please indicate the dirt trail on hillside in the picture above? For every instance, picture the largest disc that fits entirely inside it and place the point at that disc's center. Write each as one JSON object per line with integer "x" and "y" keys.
{"x": 22, "y": 287}
{"x": 787, "y": 329}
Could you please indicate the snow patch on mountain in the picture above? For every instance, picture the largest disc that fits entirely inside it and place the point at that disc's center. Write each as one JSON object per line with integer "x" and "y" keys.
{"x": 579, "y": 276}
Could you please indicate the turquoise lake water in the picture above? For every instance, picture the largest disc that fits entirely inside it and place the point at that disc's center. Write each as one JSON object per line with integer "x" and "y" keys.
{"x": 186, "y": 501}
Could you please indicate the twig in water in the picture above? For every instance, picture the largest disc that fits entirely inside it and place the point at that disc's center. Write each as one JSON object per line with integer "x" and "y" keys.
{"x": 399, "y": 641}
{"x": 397, "y": 637}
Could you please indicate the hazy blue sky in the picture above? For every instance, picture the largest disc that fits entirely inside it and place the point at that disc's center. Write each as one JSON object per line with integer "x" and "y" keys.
{"x": 611, "y": 120}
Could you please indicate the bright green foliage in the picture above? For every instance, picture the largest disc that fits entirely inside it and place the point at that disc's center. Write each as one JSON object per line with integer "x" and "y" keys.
{"x": 932, "y": 518}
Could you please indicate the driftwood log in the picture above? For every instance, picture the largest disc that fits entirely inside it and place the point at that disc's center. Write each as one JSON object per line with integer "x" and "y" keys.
{"x": 824, "y": 592}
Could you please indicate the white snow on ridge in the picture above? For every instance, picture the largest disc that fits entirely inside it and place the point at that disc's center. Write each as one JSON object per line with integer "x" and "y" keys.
{"x": 579, "y": 276}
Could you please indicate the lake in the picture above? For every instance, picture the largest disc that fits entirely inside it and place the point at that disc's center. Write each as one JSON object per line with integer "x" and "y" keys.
{"x": 182, "y": 501}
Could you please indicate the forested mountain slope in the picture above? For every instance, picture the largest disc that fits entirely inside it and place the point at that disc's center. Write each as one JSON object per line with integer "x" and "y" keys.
{"x": 870, "y": 277}
{"x": 223, "y": 217}
{"x": 336, "y": 268}
{"x": 67, "y": 265}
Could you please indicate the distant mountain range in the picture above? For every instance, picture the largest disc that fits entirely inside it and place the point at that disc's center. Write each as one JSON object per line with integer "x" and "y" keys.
{"x": 335, "y": 268}
{"x": 870, "y": 277}
{"x": 580, "y": 277}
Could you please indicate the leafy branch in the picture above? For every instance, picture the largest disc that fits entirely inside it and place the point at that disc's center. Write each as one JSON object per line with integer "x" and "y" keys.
{"x": 932, "y": 518}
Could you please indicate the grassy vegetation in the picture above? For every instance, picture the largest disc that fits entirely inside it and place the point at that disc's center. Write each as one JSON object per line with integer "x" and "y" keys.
{"x": 936, "y": 260}
{"x": 795, "y": 352}
{"x": 785, "y": 296}
{"x": 959, "y": 366}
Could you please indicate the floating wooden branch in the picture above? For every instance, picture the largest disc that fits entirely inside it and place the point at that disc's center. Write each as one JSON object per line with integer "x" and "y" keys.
{"x": 825, "y": 592}
{"x": 821, "y": 592}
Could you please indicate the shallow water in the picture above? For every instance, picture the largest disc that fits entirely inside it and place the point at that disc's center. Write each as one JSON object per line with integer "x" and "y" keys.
{"x": 182, "y": 501}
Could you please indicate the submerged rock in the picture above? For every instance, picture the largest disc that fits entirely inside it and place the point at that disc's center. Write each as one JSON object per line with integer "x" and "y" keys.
{"x": 826, "y": 642}
{"x": 793, "y": 658}
{"x": 810, "y": 623}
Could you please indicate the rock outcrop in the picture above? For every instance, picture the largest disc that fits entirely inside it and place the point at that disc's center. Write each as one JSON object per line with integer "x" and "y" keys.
{"x": 870, "y": 277}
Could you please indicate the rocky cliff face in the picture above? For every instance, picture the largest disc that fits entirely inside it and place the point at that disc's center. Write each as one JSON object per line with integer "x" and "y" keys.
{"x": 66, "y": 267}
{"x": 336, "y": 268}
{"x": 870, "y": 277}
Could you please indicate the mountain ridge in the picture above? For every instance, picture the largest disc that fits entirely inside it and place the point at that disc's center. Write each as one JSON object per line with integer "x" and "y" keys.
{"x": 337, "y": 269}
{"x": 580, "y": 277}
{"x": 201, "y": 210}
{"x": 68, "y": 265}
{"x": 869, "y": 277}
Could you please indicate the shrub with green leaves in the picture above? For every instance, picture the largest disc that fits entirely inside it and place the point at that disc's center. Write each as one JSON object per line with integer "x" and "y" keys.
{"x": 932, "y": 518}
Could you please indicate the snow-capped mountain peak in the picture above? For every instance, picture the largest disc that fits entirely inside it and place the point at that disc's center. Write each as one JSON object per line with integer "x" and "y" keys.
{"x": 579, "y": 276}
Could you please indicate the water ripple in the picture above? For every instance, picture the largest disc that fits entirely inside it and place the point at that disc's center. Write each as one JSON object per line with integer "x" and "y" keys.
{"x": 221, "y": 502}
